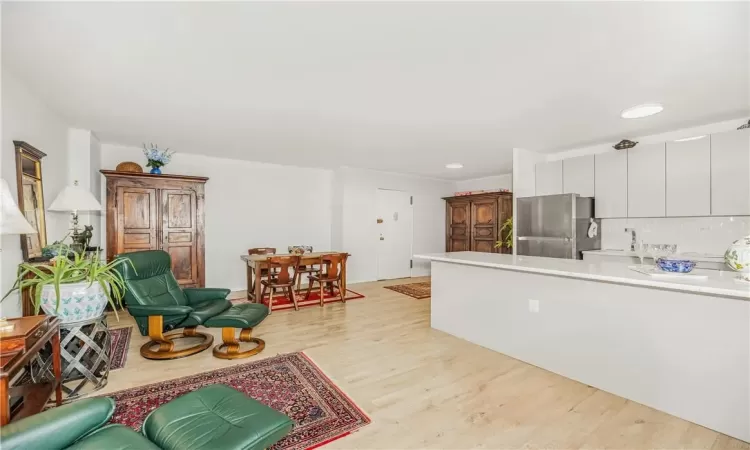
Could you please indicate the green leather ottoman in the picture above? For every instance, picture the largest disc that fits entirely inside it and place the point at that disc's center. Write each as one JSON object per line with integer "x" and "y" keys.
{"x": 244, "y": 316}
{"x": 215, "y": 417}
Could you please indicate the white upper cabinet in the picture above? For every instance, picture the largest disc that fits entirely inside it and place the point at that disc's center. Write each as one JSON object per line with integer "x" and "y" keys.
{"x": 578, "y": 176}
{"x": 646, "y": 181}
{"x": 549, "y": 178}
{"x": 611, "y": 184}
{"x": 689, "y": 178}
{"x": 730, "y": 173}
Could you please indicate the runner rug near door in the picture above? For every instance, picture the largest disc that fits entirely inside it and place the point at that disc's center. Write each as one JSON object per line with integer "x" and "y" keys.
{"x": 416, "y": 290}
{"x": 281, "y": 302}
{"x": 291, "y": 384}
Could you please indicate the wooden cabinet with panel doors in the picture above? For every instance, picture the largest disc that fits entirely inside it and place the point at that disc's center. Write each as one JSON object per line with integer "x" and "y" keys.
{"x": 164, "y": 212}
{"x": 473, "y": 222}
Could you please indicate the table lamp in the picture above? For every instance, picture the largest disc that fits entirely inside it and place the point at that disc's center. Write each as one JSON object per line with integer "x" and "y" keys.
{"x": 12, "y": 221}
{"x": 75, "y": 198}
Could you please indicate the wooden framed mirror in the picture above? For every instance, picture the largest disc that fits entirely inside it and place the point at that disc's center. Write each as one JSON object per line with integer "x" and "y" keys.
{"x": 31, "y": 197}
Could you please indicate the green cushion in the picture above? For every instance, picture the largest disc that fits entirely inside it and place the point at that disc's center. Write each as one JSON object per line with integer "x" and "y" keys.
{"x": 215, "y": 417}
{"x": 57, "y": 428}
{"x": 149, "y": 280}
{"x": 114, "y": 437}
{"x": 245, "y": 315}
{"x": 203, "y": 311}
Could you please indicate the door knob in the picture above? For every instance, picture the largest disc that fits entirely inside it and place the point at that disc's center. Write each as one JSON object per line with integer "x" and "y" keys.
{"x": 382, "y": 238}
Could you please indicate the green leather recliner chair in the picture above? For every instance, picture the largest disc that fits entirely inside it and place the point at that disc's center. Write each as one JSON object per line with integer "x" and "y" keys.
{"x": 157, "y": 303}
{"x": 210, "y": 418}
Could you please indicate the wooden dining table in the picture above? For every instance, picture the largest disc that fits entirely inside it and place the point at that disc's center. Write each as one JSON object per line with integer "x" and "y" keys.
{"x": 256, "y": 263}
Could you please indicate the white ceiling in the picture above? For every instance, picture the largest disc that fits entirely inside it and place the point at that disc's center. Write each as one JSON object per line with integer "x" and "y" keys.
{"x": 402, "y": 87}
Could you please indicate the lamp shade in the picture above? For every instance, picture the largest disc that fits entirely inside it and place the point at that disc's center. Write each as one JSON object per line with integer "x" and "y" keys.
{"x": 12, "y": 220}
{"x": 75, "y": 198}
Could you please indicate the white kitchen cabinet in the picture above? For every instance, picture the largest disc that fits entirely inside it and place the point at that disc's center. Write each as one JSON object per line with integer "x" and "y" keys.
{"x": 689, "y": 178}
{"x": 730, "y": 173}
{"x": 578, "y": 176}
{"x": 549, "y": 178}
{"x": 646, "y": 181}
{"x": 611, "y": 184}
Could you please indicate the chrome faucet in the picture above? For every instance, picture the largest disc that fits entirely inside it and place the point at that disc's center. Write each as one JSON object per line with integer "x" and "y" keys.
{"x": 633, "y": 239}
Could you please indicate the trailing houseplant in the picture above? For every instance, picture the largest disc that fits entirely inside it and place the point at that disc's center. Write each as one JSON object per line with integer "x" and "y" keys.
{"x": 73, "y": 287}
{"x": 508, "y": 240}
{"x": 156, "y": 157}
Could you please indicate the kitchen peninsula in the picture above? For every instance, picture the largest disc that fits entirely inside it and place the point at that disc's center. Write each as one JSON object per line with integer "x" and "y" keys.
{"x": 682, "y": 347}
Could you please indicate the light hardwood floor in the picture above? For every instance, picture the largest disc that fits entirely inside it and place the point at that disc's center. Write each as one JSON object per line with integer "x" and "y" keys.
{"x": 426, "y": 389}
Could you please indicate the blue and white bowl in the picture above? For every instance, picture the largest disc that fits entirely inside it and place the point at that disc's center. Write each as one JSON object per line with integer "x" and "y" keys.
{"x": 675, "y": 265}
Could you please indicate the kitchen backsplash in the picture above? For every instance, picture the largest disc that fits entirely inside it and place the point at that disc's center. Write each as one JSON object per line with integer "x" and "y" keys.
{"x": 710, "y": 235}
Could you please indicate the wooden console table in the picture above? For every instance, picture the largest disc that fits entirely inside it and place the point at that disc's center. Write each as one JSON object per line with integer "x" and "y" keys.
{"x": 17, "y": 348}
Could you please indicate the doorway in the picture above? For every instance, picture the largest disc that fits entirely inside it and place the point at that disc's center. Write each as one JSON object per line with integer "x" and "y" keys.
{"x": 394, "y": 234}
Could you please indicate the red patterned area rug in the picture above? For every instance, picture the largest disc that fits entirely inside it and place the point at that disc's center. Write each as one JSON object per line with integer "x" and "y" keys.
{"x": 120, "y": 345}
{"x": 416, "y": 290}
{"x": 291, "y": 384}
{"x": 281, "y": 302}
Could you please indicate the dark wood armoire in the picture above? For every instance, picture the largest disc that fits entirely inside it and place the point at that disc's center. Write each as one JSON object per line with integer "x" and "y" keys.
{"x": 159, "y": 212}
{"x": 473, "y": 222}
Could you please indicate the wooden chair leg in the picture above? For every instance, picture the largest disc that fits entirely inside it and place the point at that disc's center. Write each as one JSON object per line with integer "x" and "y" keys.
{"x": 310, "y": 283}
{"x": 293, "y": 297}
{"x": 342, "y": 294}
{"x": 270, "y": 300}
{"x": 322, "y": 286}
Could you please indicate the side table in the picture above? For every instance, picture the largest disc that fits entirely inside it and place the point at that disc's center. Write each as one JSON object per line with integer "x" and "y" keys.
{"x": 85, "y": 348}
{"x": 18, "y": 347}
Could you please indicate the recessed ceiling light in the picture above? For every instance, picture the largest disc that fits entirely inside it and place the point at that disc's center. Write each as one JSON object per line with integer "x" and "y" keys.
{"x": 636, "y": 112}
{"x": 694, "y": 138}
{"x": 454, "y": 166}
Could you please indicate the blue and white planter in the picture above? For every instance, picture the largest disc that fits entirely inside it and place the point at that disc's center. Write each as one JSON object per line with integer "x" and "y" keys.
{"x": 78, "y": 301}
{"x": 737, "y": 257}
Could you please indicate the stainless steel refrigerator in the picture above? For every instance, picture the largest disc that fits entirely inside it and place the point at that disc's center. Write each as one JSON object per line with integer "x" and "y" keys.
{"x": 556, "y": 226}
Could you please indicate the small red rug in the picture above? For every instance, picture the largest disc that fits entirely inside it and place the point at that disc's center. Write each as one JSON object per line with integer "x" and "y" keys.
{"x": 281, "y": 302}
{"x": 291, "y": 384}
{"x": 417, "y": 290}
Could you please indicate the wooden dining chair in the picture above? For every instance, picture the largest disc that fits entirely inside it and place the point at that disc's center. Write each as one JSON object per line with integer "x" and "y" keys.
{"x": 285, "y": 268}
{"x": 261, "y": 251}
{"x": 331, "y": 267}
{"x": 303, "y": 269}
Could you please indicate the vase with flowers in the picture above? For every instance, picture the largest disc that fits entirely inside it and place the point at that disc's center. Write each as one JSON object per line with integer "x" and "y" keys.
{"x": 157, "y": 158}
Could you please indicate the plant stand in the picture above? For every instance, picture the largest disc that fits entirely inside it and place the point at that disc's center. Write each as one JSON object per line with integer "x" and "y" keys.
{"x": 85, "y": 348}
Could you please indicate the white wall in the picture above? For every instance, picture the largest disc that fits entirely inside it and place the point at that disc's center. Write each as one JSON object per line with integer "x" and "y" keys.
{"x": 504, "y": 181}
{"x": 248, "y": 205}
{"x": 709, "y": 235}
{"x": 359, "y": 214}
{"x": 26, "y": 118}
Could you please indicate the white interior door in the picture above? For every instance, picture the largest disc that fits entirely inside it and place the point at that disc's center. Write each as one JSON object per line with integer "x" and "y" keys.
{"x": 394, "y": 234}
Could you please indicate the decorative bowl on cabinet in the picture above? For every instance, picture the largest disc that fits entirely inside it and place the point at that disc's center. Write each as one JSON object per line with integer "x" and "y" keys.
{"x": 737, "y": 257}
{"x": 675, "y": 265}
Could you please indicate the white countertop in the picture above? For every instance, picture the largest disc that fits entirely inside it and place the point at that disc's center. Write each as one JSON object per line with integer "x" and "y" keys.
{"x": 698, "y": 257}
{"x": 720, "y": 283}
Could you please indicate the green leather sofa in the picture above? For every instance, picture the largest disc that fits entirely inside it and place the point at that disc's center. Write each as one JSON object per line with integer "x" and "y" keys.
{"x": 211, "y": 418}
{"x": 158, "y": 304}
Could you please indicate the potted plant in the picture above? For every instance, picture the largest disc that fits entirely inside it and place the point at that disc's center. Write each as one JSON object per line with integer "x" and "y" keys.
{"x": 157, "y": 158}
{"x": 73, "y": 287}
{"x": 507, "y": 242}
